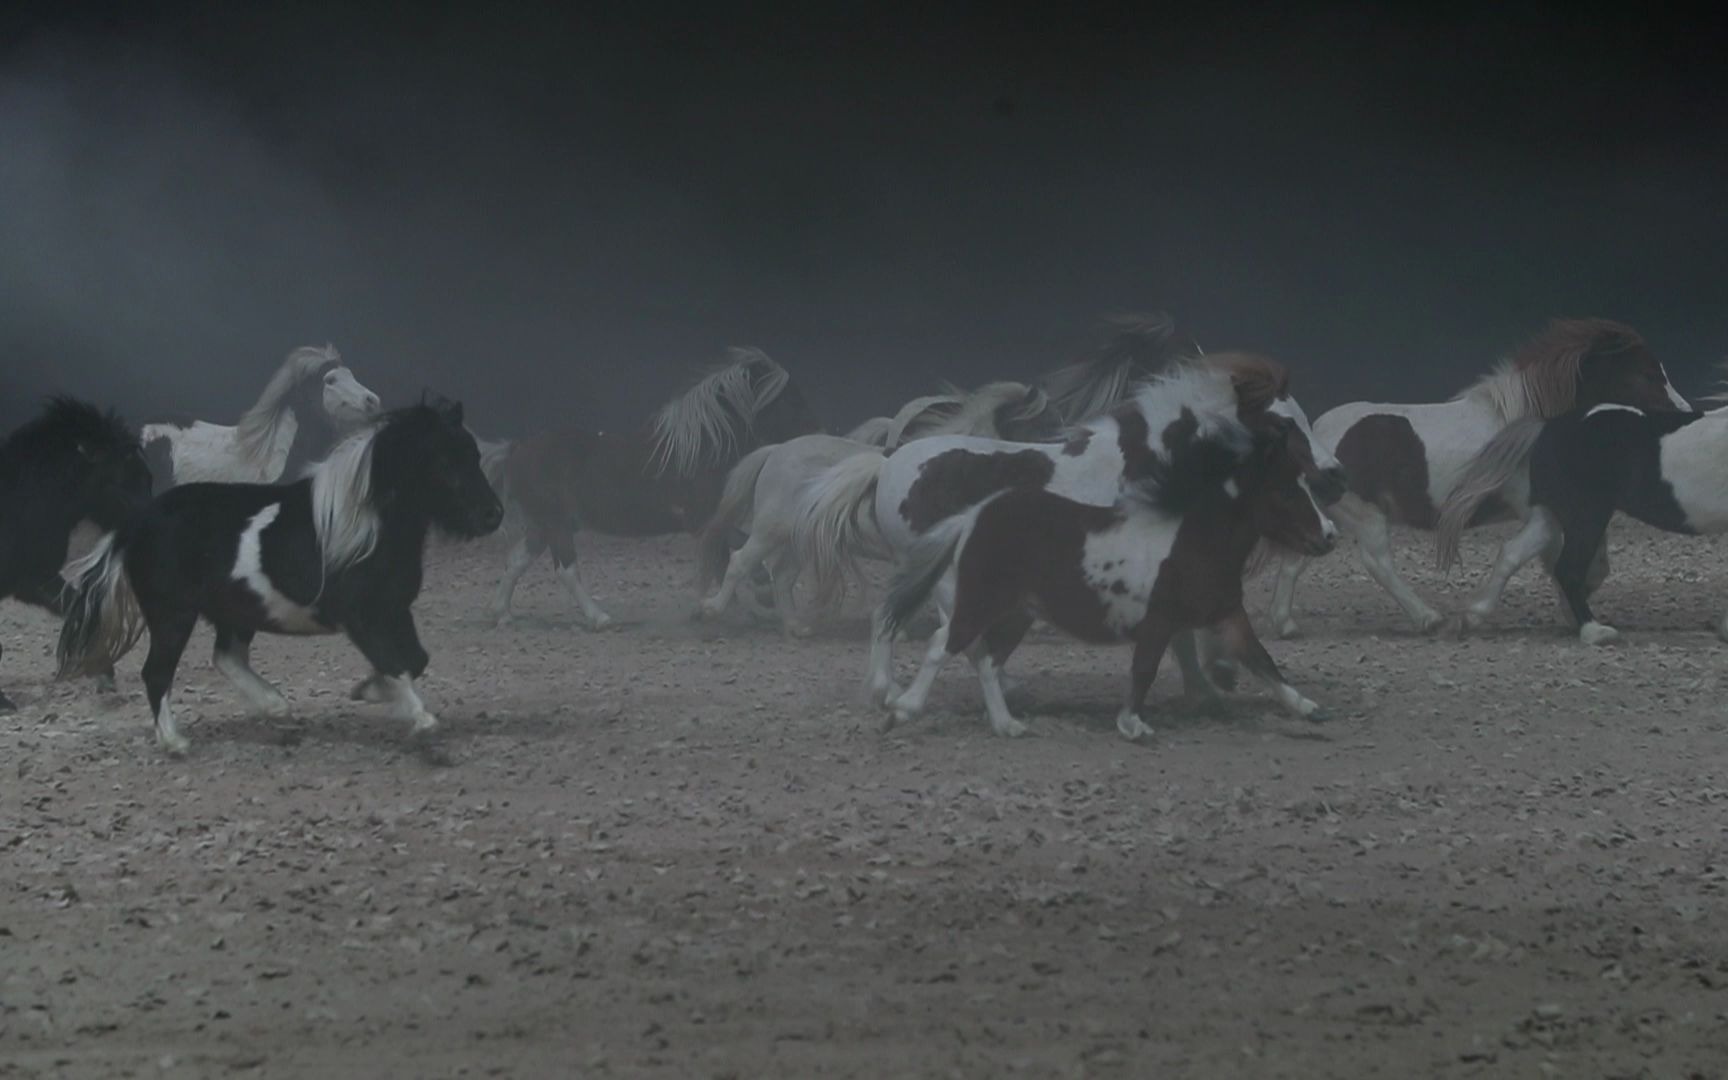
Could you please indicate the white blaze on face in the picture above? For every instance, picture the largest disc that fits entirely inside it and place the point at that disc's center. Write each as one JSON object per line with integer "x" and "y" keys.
{"x": 1287, "y": 407}
{"x": 345, "y": 400}
{"x": 249, "y": 570}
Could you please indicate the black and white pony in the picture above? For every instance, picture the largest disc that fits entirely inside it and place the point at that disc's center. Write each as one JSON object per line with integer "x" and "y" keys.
{"x": 1667, "y": 469}
{"x": 72, "y": 464}
{"x": 309, "y": 405}
{"x": 340, "y": 550}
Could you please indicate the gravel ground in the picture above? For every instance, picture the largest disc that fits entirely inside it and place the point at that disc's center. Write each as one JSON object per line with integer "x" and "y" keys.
{"x": 686, "y": 850}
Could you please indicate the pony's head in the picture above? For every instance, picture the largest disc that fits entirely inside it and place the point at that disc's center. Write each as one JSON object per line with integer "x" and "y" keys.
{"x": 1263, "y": 398}
{"x": 1274, "y": 482}
{"x": 92, "y": 459}
{"x": 324, "y": 385}
{"x": 1582, "y": 363}
{"x": 426, "y": 458}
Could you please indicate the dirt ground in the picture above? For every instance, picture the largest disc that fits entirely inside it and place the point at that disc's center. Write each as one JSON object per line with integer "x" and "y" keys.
{"x": 687, "y": 850}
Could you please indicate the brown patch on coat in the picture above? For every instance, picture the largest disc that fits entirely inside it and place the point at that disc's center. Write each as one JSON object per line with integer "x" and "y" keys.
{"x": 1388, "y": 467}
{"x": 1077, "y": 442}
{"x": 1259, "y": 380}
{"x": 956, "y": 480}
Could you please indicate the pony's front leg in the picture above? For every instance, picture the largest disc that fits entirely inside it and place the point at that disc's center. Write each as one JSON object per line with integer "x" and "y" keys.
{"x": 392, "y": 646}
{"x": 911, "y": 702}
{"x": 1540, "y": 535}
{"x": 785, "y": 572}
{"x": 1244, "y": 644}
{"x": 988, "y": 655}
{"x": 1283, "y": 612}
{"x": 880, "y": 680}
{"x": 1154, "y": 638}
{"x": 522, "y": 556}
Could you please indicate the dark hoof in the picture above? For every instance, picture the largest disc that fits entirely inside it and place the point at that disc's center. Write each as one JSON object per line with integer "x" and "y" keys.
{"x": 1319, "y": 716}
{"x": 1223, "y": 676}
{"x": 6, "y": 705}
{"x": 105, "y": 684}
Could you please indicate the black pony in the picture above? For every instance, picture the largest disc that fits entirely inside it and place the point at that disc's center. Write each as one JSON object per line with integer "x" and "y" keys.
{"x": 73, "y": 463}
{"x": 340, "y": 550}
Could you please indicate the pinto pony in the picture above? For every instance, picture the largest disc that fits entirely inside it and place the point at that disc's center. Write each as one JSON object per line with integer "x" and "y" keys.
{"x": 340, "y": 550}
{"x": 1167, "y": 556}
{"x": 1666, "y": 469}
{"x": 664, "y": 479}
{"x": 1405, "y": 460}
{"x": 72, "y": 463}
{"x": 309, "y": 404}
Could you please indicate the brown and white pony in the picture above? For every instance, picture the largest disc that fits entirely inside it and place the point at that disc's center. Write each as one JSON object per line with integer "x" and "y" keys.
{"x": 876, "y": 506}
{"x": 1404, "y": 460}
{"x": 663, "y": 478}
{"x": 1166, "y": 556}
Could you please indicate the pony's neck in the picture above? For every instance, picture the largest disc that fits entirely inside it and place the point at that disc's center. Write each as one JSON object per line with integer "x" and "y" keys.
{"x": 1228, "y": 525}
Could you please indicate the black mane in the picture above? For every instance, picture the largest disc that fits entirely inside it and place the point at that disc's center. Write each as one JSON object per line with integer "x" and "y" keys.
{"x": 65, "y": 424}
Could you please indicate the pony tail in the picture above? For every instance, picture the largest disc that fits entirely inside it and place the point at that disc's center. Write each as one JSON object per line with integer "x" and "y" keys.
{"x": 929, "y": 559}
{"x": 103, "y": 619}
{"x": 714, "y": 546}
{"x": 835, "y": 522}
{"x": 1496, "y": 463}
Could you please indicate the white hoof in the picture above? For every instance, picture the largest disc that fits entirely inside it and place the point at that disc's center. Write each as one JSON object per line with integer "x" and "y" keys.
{"x": 600, "y": 621}
{"x": 1595, "y": 633}
{"x": 501, "y": 620}
{"x": 1430, "y": 622}
{"x": 424, "y": 724}
{"x": 1287, "y": 628}
{"x": 708, "y": 609}
{"x": 800, "y": 630}
{"x": 175, "y": 743}
{"x": 277, "y": 708}
{"x": 1132, "y": 727}
{"x": 1009, "y": 728}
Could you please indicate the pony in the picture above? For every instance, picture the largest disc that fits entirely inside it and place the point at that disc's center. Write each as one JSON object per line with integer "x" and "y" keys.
{"x": 309, "y": 404}
{"x": 71, "y": 464}
{"x": 1663, "y": 468}
{"x": 1167, "y": 555}
{"x": 1405, "y": 460}
{"x": 760, "y": 499}
{"x": 1127, "y": 350}
{"x": 665, "y": 478}
{"x": 867, "y": 505}
{"x": 341, "y": 549}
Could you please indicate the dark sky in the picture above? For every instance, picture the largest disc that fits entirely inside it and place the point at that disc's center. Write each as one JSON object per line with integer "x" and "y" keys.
{"x": 554, "y": 214}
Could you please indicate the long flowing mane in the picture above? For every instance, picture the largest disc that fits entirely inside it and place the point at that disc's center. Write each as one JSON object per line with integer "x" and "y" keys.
{"x": 63, "y": 424}
{"x": 1132, "y": 349}
{"x": 260, "y": 425}
{"x": 342, "y": 512}
{"x": 705, "y": 423}
{"x": 957, "y": 412}
{"x": 1541, "y": 379}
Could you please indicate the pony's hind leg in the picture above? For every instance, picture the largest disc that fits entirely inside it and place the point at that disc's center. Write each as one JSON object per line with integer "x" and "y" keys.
{"x": 564, "y": 558}
{"x": 1240, "y": 639}
{"x": 1572, "y": 572}
{"x": 987, "y": 656}
{"x": 738, "y": 567}
{"x": 233, "y": 658}
{"x": 168, "y": 638}
{"x": 785, "y": 571}
{"x": 1283, "y": 612}
{"x": 880, "y": 680}
{"x": 910, "y": 702}
{"x": 522, "y": 556}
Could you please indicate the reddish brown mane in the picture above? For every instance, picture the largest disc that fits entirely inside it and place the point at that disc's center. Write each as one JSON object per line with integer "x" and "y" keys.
{"x": 1565, "y": 343}
{"x": 1259, "y": 380}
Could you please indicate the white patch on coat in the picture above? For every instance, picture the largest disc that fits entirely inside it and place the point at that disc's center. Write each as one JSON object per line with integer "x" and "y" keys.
{"x": 1452, "y": 433}
{"x": 1288, "y": 406}
{"x": 286, "y": 615}
{"x": 206, "y": 452}
{"x": 1692, "y": 460}
{"x": 1132, "y": 552}
{"x": 1609, "y": 406}
{"x": 1673, "y": 395}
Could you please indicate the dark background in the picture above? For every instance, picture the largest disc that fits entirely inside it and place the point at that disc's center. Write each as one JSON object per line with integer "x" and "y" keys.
{"x": 555, "y": 214}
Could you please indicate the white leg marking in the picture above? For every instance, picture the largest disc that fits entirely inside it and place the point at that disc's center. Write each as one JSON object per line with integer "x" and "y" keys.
{"x": 738, "y": 567}
{"x": 995, "y": 704}
{"x": 1131, "y": 726}
{"x": 1374, "y": 547}
{"x": 408, "y": 704}
{"x": 167, "y": 732}
{"x": 1283, "y": 612}
{"x": 571, "y": 576}
{"x": 880, "y": 679}
{"x": 911, "y": 703}
{"x": 1595, "y": 633}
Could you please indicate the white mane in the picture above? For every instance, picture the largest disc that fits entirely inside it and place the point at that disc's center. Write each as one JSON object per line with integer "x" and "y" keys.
{"x": 700, "y": 426}
{"x": 1506, "y": 390}
{"x": 1208, "y": 392}
{"x": 342, "y": 512}
{"x": 968, "y": 413}
{"x": 874, "y": 431}
{"x": 262, "y": 424}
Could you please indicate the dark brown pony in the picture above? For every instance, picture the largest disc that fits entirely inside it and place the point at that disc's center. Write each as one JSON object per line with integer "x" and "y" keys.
{"x": 665, "y": 477}
{"x": 1142, "y": 570}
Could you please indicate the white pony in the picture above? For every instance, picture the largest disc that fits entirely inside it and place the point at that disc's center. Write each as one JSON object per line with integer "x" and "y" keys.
{"x": 309, "y": 405}
{"x": 762, "y": 491}
{"x": 1405, "y": 460}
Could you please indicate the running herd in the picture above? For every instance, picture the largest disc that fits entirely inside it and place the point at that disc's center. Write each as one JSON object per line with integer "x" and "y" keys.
{"x": 1121, "y": 497}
